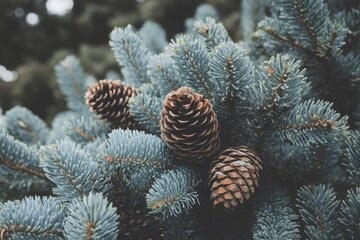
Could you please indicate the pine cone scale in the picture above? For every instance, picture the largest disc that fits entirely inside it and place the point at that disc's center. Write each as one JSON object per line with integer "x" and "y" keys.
{"x": 234, "y": 173}
{"x": 109, "y": 99}
{"x": 189, "y": 126}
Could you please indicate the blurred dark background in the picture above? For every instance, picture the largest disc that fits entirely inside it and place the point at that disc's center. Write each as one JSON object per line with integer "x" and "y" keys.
{"x": 36, "y": 34}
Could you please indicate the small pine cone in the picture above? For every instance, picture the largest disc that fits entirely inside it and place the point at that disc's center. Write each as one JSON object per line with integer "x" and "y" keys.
{"x": 109, "y": 99}
{"x": 189, "y": 126}
{"x": 234, "y": 176}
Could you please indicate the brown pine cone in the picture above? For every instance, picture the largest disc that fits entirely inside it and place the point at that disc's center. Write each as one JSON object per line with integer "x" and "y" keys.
{"x": 189, "y": 126}
{"x": 234, "y": 177}
{"x": 109, "y": 99}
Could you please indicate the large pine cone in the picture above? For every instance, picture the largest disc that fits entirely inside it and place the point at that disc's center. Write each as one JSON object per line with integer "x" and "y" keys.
{"x": 189, "y": 126}
{"x": 234, "y": 177}
{"x": 109, "y": 99}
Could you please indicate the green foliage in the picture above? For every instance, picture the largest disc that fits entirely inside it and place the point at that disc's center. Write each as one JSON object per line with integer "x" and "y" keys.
{"x": 232, "y": 74}
{"x": 74, "y": 171}
{"x": 73, "y": 83}
{"x": 191, "y": 61}
{"x": 353, "y": 157}
{"x": 154, "y": 36}
{"x": 146, "y": 110}
{"x": 214, "y": 33}
{"x": 312, "y": 122}
{"x": 318, "y": 209}
{"x": 253, "y": 11}
{"x": 276, "y": 219}
{"x": 141, "y": 156}
{"x": 202, "y": 12}
{"x": 283, "y": 83}
{"x": 162, "y": 73}
{"x": 24, "y": 125}
{"x": 17, "y": 156}
{"x": 131, "y": 53}
{"x": 172, "y": 200}
{"x": 85, "y": 130}
{"x": 350, "y": 214}
{"x": 264, "y": 101}
{"x": 91, "y": 217}
{"x": 32, "y": 218}
{"x": 310, "y": 23}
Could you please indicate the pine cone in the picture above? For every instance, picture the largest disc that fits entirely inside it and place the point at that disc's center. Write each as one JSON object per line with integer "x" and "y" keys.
{"x": 109, "y": 99}
{"x": 189, "y": 126}
{"x": 234, "y": 176}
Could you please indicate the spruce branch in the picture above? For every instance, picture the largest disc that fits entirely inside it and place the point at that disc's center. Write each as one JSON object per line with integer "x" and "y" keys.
{"x": 283, "y": 82}
{"x": 273, "y": 34}
{"x": 134, "y": 147}
{"x": 135, "y": 152}
{"x": 131, "y": 53}
{"x": 26, "y": 127}
{"x": 351, "y": 19}
{"x": 173, "y": 193}
{"x": 73, "y": 83}
{"x": 202, "y": 12}
{"x": 353, "y": 157}
{"x": 288, "y": 160}
{"x": 153, "y": 36}
{"x": 191, "y": 61}
{"x": 318, "y": 209}
{"x": 32, "y": 218}
{"x": 252, "y": 11}
{"x": 91, "y": 218}
{"x": 214, "y": 33}
{"x": 74, "y": 171}
{"x": 276, "y": 222}
{"x": 312, "y": 122}
{"x": 146, "y": 111}
{"x": 182, "y": 227}
{"x": 232, "y": 73}
{"x": 19, "y": 157}
{"x": 339, "y": 32}
{"x": 350, "y": 214}
{"x": 83, "y": 130}
{"x": 162, "y": 73}
{"x": 310, "y": 23}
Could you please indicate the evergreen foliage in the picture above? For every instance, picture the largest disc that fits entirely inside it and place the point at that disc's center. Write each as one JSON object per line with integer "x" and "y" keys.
{"x": 73, "y": 83}
{"x": 192, "y": 64}
{"x": 141, "y": 156}
{"x": 353, "y": 157}
{"x": 74, "y": 171}
{"x": 91, "y": 217}
{"x": 276, "y": 218}
{"x": 146, "y": 109}
{"x": 32, "y": 218}
{"x": 312, "y": 122}
{"x": 350, "y": 212}
{"x": 131, "y": 53}
{"x": 129, "y": 184}
{"x": 175, "y": 199}
{"x": 85, "y": 130}
{"x": 162, "y": 73}
{"x": 25, "y": 126}
{"x": 15, "y": 156}
{"x": 154, "y": 36}
{"x": 214, "y": 32}
{"x": 318, "y": 208}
